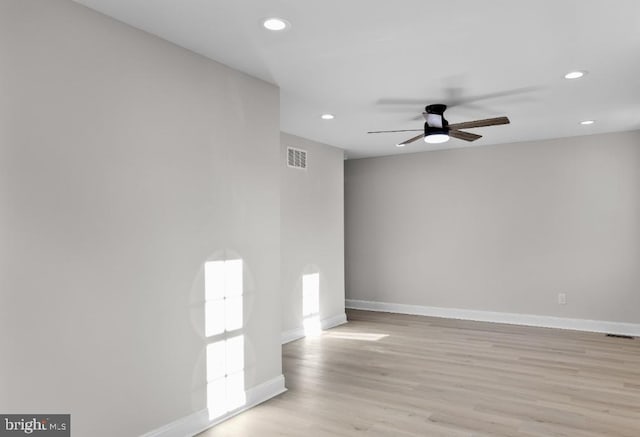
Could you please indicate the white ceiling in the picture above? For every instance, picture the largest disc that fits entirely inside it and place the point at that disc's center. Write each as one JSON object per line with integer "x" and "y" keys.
{"x": 345, "y": 57}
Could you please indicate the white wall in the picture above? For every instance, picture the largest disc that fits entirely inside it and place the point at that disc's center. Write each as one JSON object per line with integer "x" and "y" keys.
{"x": 125, "y": 164}
{"x": 501, "y": 228}
{"x": 312, "y": 230}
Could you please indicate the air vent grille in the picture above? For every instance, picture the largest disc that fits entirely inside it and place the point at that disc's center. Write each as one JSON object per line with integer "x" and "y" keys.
{"x": 296, "y": 158}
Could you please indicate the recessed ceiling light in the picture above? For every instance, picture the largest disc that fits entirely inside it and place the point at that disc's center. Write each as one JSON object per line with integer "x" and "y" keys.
{"x": 327, "y": 116}
{"x": 275, "y": 24}
{"x": 436, "y": 138}
{"x": 574, "y": 75}
{"x": 587, "y": 122}
{"x": 400, "y": 145}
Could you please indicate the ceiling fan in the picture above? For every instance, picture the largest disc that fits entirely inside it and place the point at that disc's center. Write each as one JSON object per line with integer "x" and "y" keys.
{"x": 438, "y": 130}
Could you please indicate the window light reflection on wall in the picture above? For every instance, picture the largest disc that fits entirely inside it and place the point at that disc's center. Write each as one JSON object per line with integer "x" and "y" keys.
{"x": 223, "y": 329}
{"x": 311, "y": 303}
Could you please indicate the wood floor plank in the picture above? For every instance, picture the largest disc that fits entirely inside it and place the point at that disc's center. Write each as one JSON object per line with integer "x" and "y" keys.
{"x": 397, "y": 375}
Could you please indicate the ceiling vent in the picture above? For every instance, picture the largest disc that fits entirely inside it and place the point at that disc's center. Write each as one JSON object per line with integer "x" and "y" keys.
{"x": 296, "y": 158}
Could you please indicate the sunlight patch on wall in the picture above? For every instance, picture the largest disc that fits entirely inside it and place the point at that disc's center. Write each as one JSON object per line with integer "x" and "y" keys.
{"x": 223, "y": 296}
{"x": 223, "y": 329}
{"x": 225, "y": 376}
{"x": 311, "y": 304}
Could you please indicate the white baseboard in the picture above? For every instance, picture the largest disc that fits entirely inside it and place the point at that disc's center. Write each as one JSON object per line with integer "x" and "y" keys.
{"x": 199, "y": 421}
{"x": 185, "y": 426}
{"x": 329, "y": 322}
{"x": 619, "y": 328}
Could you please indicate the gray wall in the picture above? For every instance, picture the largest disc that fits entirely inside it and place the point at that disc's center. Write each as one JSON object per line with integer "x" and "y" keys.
{"x": 500, "y": 228}
{"x": 125, "y": 164}
{"x": 312, "y": 229}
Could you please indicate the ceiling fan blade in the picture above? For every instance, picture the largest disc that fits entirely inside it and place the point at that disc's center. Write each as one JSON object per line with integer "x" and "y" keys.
{"x": 391, "y": 131}
{"x": 461, "y": 135}
{"x": 402, "y": 101}
{"x": 506, "y": 93}
{"x": 480, "y": 123}
{"x": 455, "y": 96}
{"x": 411, "y": 140}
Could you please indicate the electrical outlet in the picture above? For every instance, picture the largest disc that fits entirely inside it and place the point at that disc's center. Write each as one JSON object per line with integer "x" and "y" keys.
{"x": 562, "y": 298}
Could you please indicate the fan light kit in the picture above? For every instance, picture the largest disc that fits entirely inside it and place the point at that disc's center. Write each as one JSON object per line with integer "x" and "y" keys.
{"x": 436, "y": 138}
{"x": 275, "y": 24}
{"x": 438, "y": 130}
{"x": 327, "y": 116}
{"x": 574, "y": 75}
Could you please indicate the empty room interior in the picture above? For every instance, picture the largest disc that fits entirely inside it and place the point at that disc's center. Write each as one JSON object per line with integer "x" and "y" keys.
{"x": 259, "y": 218}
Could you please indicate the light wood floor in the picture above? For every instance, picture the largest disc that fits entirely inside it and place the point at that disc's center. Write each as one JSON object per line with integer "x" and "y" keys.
{"x": 397, "y": 375}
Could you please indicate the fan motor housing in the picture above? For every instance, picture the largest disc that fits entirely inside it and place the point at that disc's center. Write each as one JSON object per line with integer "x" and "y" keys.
{"x": 435, "y": 115}
{"x": 438, "y": 108}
